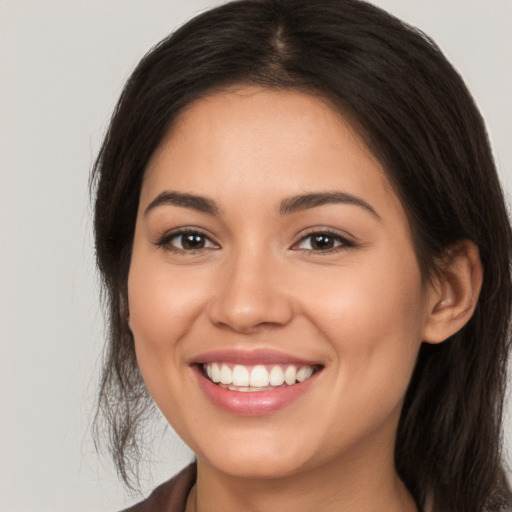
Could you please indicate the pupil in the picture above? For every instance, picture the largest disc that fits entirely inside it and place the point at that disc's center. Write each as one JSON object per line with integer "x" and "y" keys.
{"x": 323, "y": 242}
{"x": 193, "y": 241}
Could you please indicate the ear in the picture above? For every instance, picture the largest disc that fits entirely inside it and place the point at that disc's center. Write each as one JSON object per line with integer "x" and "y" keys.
{"x": 454, "y": 292}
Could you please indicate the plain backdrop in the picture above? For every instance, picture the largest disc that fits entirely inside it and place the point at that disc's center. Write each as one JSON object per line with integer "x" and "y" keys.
{"x": 62, "y": 66}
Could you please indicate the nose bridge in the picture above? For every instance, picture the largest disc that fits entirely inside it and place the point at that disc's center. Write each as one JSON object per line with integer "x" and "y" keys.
{"x": 250, "y": 291}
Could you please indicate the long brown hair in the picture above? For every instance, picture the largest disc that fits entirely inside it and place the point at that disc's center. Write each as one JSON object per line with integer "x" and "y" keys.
{"x": 415, "y": 113}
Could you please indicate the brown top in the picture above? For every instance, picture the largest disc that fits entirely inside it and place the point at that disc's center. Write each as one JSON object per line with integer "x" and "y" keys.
{"x": 171, "y": 496}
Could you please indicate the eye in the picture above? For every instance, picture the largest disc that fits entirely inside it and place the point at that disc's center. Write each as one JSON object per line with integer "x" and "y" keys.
{"x": 186, "y": 241}
{"x": 323, "y": 241}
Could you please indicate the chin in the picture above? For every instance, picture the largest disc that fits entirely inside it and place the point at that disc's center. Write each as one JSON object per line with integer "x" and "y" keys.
{"x": 263, "y": 457}
{"x": 256, "y": 466}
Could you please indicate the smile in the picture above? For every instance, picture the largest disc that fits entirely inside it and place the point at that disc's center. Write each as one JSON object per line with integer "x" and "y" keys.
{"x": 259, "y": 377}
{"x": 253, "y": 383}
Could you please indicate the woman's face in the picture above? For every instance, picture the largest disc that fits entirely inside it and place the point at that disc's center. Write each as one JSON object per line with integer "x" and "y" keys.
{"x": 270, "y": 245}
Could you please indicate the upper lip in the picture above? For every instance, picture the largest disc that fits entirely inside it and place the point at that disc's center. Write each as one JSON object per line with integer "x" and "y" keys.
{"x": 251, "y": 357}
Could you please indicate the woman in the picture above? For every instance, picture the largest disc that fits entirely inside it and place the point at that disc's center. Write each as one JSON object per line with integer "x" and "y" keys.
{"x": 305, "y": 252}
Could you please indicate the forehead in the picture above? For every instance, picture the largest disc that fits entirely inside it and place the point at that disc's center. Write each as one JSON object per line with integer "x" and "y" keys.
{"x": 252, "y": 141}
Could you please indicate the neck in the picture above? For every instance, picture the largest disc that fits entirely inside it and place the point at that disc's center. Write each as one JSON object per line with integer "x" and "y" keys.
{"x": 356, "y": 484}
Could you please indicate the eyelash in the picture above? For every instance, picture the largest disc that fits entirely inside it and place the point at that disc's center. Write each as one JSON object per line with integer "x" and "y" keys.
{"x": 344, "y": 243}
{"x": 165, "y": 241}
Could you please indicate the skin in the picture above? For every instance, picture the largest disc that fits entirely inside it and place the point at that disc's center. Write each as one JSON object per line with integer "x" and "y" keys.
{"x": 359, "y": 306}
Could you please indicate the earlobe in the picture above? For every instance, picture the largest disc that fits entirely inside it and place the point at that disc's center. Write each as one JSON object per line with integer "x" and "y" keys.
{"x": 454, "y": 294}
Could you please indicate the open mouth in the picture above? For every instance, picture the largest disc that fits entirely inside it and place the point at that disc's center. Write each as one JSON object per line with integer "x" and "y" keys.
{"x": 259, "y": 377}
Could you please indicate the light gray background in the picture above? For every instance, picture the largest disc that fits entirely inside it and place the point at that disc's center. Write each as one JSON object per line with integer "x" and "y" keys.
{"x": 62, "y": 66}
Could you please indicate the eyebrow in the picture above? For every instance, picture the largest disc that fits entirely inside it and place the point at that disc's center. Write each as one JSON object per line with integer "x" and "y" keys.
{"x": 288, "y": 206}
{"x": 191, "y": 201}
{"x": 306, "y": 201}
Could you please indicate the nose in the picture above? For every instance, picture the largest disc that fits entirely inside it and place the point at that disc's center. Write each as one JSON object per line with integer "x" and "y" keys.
{"x": 251, "y": 295}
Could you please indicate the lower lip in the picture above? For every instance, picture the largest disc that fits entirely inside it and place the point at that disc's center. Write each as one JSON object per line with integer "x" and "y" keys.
{"x": 256, "y": 403}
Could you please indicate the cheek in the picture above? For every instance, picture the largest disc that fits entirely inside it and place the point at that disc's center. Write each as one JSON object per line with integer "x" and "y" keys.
{"x": 372, "y": 316}
{"x": 162, "y": 303}
{"x": 160, "y": 311}
{"x": 364, "y": 298}
{"x": 163, "y": 307}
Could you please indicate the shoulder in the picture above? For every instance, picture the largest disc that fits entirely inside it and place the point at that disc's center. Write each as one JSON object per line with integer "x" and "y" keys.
{"x": 171, "y": 496}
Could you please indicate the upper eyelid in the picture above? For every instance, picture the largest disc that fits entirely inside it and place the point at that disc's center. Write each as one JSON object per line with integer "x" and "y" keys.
{"x": 344, "y": 236}
{"x": 345, "y": 243}
{"x": 167, "y": 236}
{"x": 186, "y": 229}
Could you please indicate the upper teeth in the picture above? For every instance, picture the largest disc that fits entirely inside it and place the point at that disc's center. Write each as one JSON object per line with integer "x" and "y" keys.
{"x": 259, "y": 376}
